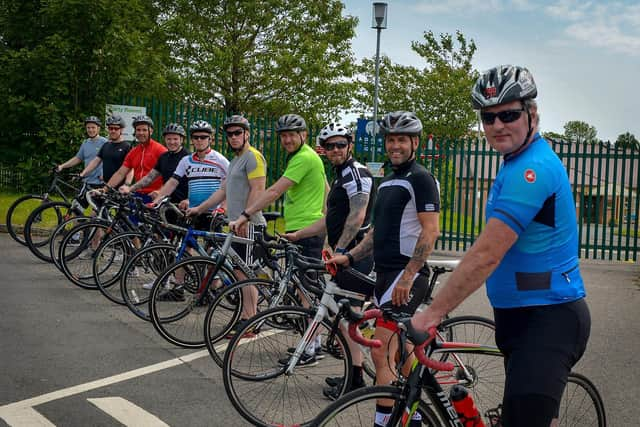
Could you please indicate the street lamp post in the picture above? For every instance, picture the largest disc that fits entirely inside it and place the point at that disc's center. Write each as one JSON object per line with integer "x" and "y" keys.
{"x": 379, "y": 22}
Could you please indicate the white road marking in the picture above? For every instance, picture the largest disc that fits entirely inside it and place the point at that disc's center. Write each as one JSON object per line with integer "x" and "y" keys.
{"x": 21, "y": 413}
{"x": 127, "y": 413}
{"x": 24, "y": 416}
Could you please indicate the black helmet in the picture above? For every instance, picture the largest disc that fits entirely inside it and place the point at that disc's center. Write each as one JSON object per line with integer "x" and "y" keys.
{"x": 93, "y": 119}
{"x": 291, "y": 122}
{"x": 142, "y": 119}
{"x": 400, "y": 122}
{"x": 200, "y": 126}
{"x": 115, "y": 120}
{"x": 236, "y": 120}
{"x": 334, "y": 129}
{"x": 175, "y": 129}
{"x": 503, "y": 84}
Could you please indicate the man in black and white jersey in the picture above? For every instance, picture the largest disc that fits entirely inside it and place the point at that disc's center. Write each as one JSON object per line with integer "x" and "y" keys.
{"x": 349, "y": 206}
{"x": 406, "y": 215}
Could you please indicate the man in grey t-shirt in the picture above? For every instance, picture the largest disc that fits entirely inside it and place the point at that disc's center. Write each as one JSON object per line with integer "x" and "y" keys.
{"x": 88, "y": 151}
{"x": 245, "y": 182}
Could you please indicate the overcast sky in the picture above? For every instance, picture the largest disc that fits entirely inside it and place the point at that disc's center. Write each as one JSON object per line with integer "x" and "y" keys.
{"x": 584, "y": 55}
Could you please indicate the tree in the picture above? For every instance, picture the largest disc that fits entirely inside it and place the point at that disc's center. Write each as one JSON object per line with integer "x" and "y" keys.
{"x": 579, "y": 132}
{"x": 627, "y": 140}
{"x": 268, "y": 57}
{"x": 438, "y": 92}
{"x": 558, "y": 137}
{"x": 62, "y": 60}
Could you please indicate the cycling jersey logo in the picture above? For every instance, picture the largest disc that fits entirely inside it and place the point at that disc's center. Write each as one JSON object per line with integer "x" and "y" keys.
{"x": 530, "y": 176}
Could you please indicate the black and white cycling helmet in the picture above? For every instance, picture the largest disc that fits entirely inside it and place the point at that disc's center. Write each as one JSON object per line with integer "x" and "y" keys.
{"x": 174, "y": 128}
{"x": 142, "y": 120}
{"x": 236, "y": 120}
{"x": 200, "y": 126}
{"x": 400, "y": 122}
{"x": 291, "y": 122}
{"x": 93, "y": 119}
{"x": 334, "y": 129}
{"x": 502, "y": 84}
{"x": 116, "y": 120}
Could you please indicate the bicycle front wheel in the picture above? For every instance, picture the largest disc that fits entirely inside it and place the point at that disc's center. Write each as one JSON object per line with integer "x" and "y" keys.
{"x": 41, "y": 224}
{"x": 109, "y": 262}
{"x": 18, "y": 213}
{"x": 581, "y": 404}
{"x": 358, "y": 408}
{"x": 256, "y": 362}
{"x": 181, "y": 296}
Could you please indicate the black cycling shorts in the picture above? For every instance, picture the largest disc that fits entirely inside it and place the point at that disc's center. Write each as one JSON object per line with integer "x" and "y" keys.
{"x": 347, "y": 280}
{"x": 250, "y": 253}
{"x": 541, "y": 344}
{"x": 386, "y": 281}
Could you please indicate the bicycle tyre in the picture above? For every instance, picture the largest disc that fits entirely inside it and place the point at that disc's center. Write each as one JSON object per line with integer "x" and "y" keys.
{"x": 41, "y": 224}
{"x": 22, "y": 208}
{"x": 350, "y": 410}
{"x": 109, "y": 262}
{"x": 255, "y": 379}
{"x": 141, "y": 272}
{"x": 75, "y": 267}
{"x": 59, "y": 234}
{"x": 181, "y": 321}
{"x": 224, "y": 313}
{"x": 583, "y": 408}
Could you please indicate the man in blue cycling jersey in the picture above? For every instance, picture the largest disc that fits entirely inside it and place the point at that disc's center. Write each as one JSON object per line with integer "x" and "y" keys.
{"x": 528, "y": 255}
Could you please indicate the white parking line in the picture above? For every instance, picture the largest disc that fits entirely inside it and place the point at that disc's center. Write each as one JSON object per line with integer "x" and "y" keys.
{"x": 24, "y": 416}
{"x": 127, "y": 413}
{"x": 21, "y": 413}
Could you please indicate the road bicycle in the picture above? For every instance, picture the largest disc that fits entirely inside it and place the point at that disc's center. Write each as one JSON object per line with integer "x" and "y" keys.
{"x": 264, "y": 371}
{"x": 422, "y": 390}
{"x": 20, "y": 209}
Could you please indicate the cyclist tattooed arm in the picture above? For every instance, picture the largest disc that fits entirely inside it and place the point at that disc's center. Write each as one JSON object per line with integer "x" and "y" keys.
{"x": 148, "y": 179}
{"x": 357, "y": 213}
{"x": 424, "y": 247}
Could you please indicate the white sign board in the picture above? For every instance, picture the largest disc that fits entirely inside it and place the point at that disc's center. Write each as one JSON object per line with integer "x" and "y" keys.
{"x": 376, "y": 169}
{"x": 127, "y": 112}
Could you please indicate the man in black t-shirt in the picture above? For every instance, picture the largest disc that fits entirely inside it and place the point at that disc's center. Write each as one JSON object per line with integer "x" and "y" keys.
{"x": 173, "y": 135}
{"x": 406, "y": 215}
{"x": 349, "y": 204}
{"x": 112, "y": 153}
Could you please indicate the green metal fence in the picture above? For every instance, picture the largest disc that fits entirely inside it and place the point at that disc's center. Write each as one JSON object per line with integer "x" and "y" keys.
{"x": 604, "y": 180}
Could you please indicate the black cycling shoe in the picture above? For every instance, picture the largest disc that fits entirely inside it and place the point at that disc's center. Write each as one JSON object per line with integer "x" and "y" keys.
{"x": 334, "y": 381}
{"x": 172, "y": 295}
{"x": 333, "y": 393}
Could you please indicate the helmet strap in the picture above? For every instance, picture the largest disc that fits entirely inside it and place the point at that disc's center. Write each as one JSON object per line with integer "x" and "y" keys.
{"x": 526, "y": 138}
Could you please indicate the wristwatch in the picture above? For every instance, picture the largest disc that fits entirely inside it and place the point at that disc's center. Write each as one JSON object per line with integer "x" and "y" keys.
{"x": 350, "y": 258}
{"x": 245, "y": 214}
{"x": 341, "y": 251}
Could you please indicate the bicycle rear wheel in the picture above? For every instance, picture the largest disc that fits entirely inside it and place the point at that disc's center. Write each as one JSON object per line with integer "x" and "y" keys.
{"x": 581, "y": 404}
{"x": 18, "y": 213}
{"x": 255, "y": 364}
{"x": 181, "y": 296}
{"x": 41, "y": 224}
{"x": 358, "y": 408}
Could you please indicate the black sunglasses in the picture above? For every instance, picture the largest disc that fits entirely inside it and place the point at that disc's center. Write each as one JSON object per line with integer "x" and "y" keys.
{"x": 506, "y": 116}
{"x": 331, "y": 145}
{"x": 196, "y": 137}
{"x": 231, "y": 133}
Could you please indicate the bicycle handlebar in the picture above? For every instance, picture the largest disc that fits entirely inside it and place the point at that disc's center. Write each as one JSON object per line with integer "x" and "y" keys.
{"x": 420, "y": 339}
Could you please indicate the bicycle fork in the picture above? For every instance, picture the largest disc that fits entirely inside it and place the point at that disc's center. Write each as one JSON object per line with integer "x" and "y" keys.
{"x": 309, "y": 335}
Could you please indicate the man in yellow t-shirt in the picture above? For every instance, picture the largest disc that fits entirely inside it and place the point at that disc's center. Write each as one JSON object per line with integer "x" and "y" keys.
{"x": 304, "y": 182}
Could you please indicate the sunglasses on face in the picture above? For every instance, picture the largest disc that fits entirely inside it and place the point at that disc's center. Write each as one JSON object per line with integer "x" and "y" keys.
{"x": 197, "y": 137}
{"x": 331, "y": 145}
{"x": 506, "y": 116}
{"x": 113, "y": 129}
{"x": 234, "y": 133}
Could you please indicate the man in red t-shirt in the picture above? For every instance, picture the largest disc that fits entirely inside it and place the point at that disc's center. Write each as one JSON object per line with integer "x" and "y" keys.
{"x": 142, "y": 158}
